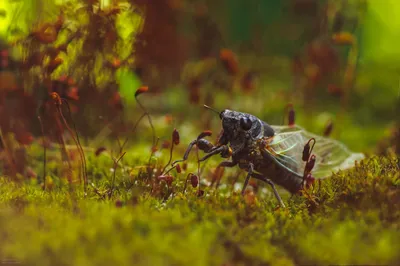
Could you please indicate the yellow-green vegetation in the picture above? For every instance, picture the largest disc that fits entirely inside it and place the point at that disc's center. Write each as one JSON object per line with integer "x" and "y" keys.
{"x": 351, "y": 218}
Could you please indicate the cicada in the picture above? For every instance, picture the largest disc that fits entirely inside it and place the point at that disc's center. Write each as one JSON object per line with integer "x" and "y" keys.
{"x": 284, "y": 155}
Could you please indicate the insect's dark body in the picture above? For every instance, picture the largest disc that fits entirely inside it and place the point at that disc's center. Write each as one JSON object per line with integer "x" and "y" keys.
{"x": 268, "y": 167}
{"x": 281, "y": 157}
{"x": 263, "y": 162}
{"x": 245, "y": 139}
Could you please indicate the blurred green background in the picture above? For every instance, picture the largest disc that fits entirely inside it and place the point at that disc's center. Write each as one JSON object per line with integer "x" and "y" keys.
{"x": 285, "y": 52}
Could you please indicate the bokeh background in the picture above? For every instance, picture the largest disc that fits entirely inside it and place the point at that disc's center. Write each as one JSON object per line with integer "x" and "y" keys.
{"x": 334, "y": 61}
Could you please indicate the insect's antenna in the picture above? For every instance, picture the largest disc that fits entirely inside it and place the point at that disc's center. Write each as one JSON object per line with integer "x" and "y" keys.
{"x": 212, "y": 109}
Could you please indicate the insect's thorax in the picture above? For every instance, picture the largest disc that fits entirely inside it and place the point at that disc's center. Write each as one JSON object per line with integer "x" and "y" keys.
{"x": 250, "y": 153}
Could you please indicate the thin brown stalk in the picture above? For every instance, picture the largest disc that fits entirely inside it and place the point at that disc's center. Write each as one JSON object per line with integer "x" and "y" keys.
{"x": 149, "y": 172}
{"x": 198, "y": 165}
{"x": 184, "y": 188}
{"x": 149, "y": 118}
{"x": 77, "y": 142}
{"x": 83, "y": 161}
{"x": 153, "y": 150}
{"x": 115, "y": 170}
{"x": 44, "y": 153}
{"x": 170, "y": 158}
{"x": 133, "y": 130}
{"x": 63, "y": 147}
{"x": 119, "y": 144}
{"x": 9, "y": 156}
{"x": 169, "y": 170}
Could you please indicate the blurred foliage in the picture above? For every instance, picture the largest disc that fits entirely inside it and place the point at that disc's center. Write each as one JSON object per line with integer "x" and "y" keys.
{"x": 283, "y": 50}
{"x": 381, "y": 30}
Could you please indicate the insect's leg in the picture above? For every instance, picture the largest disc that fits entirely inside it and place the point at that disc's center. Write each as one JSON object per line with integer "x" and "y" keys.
{"x": 203, "y": 145}
{"x": 249, "y": 174}
{"x": 214, "y": 151}
{"x": 223, "y": 164}
{"x": 227, "y": 164}
{"x": 186, "y": 155}
{"x": 277, "y": 196}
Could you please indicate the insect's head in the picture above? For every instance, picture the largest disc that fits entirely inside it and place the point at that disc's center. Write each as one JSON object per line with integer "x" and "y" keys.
{"x": 233, "y": 121}
{"x": 239, "y": 127}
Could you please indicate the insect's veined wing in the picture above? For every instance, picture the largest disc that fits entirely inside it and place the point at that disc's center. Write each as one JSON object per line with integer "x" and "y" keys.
{"x": 331, "y": 155}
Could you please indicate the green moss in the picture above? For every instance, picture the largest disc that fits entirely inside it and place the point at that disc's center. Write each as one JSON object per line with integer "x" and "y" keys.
{"x": 351, "y": 218}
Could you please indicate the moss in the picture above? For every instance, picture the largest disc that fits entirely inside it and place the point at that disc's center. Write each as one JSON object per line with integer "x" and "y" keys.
{"x": 350, "y": 218}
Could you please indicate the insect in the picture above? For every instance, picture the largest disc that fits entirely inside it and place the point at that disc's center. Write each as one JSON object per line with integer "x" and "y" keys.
{"x": 274, "y": 154}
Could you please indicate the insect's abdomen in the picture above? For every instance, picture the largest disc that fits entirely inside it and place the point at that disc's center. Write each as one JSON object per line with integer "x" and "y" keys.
{"x": 280, "y": 175}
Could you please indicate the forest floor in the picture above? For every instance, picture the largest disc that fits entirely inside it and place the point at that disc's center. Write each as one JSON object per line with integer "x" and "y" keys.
{"x": 351, "y": 218}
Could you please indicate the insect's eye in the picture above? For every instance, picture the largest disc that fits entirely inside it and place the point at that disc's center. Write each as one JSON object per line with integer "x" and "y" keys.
{"x": 245, "y": 123}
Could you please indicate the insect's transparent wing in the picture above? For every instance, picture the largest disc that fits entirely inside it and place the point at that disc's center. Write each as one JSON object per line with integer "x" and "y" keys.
{"x": 331, "y": 155}
{"x": 286, "y": 147}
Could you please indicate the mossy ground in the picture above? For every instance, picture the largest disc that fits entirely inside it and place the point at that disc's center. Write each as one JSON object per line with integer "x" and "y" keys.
{"x": 351, "y": 218}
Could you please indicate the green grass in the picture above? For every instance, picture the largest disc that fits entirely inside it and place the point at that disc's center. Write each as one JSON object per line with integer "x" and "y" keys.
{"x": 351, "y": 218}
